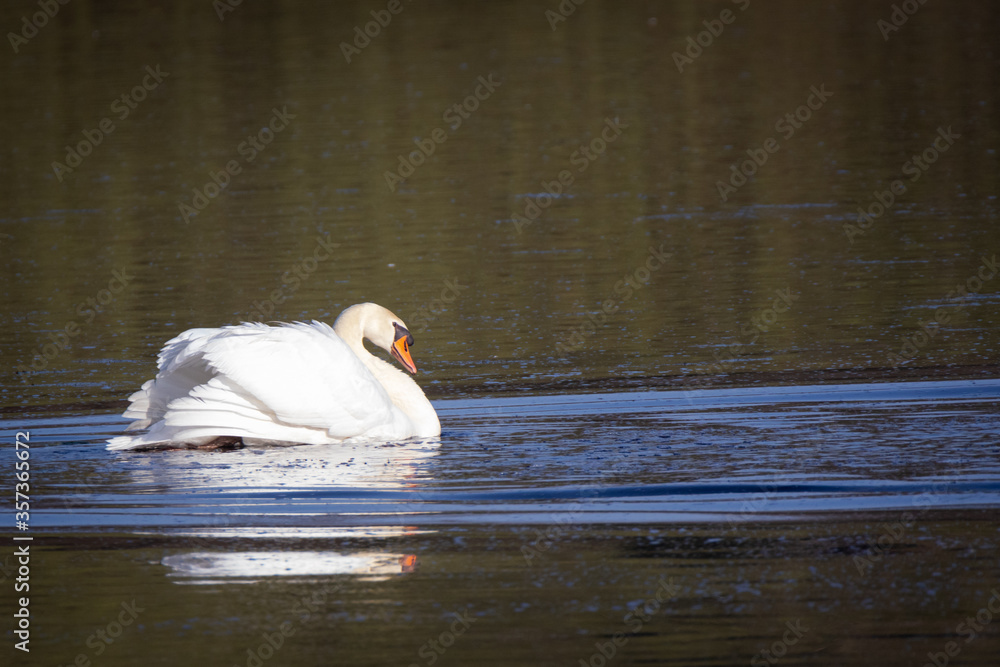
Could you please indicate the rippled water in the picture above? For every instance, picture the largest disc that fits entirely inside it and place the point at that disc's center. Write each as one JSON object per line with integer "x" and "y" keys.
{"x": 682, "y": 424}
{"x": 645, "y": 457}
{"x": 550, "y": 517}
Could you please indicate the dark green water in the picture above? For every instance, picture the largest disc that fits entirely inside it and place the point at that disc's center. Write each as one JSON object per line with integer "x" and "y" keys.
{"x": 575, "y": 232}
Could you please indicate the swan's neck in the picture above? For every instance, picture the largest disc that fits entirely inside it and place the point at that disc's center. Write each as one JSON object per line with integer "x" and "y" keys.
{"x": 350, "y": 328}
{"x": 404, "y": 392}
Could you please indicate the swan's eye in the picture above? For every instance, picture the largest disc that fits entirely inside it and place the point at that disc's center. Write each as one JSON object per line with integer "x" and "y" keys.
{"x": 401, "y": 332}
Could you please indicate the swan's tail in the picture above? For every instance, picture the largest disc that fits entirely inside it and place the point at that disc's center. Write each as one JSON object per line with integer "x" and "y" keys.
{"x": 123, "y": 442}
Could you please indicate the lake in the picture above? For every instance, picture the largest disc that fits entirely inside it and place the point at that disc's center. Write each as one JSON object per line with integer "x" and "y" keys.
{"x": 705, "y": 296}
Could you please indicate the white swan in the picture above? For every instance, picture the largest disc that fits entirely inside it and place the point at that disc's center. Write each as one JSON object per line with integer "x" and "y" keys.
{"x": 294, "y": 383}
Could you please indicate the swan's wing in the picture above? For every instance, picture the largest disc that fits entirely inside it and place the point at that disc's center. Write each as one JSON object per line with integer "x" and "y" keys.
{"x": 182, "y": 367}
{"x": 302, "y": 374}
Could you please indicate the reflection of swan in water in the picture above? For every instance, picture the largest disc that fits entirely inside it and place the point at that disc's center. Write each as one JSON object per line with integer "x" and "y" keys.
{"x": 253, "y": 566}
{"x": 295, "y": 383}
{"x": 220, "y": 503}
{"x": 315, "y": 469}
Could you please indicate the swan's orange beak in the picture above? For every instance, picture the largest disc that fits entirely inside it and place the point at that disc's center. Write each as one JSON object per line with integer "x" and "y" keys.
{"x": 401, "y": 349}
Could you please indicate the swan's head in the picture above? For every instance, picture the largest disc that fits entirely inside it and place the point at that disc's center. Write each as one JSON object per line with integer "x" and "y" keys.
{"x": 381, "y": 327}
